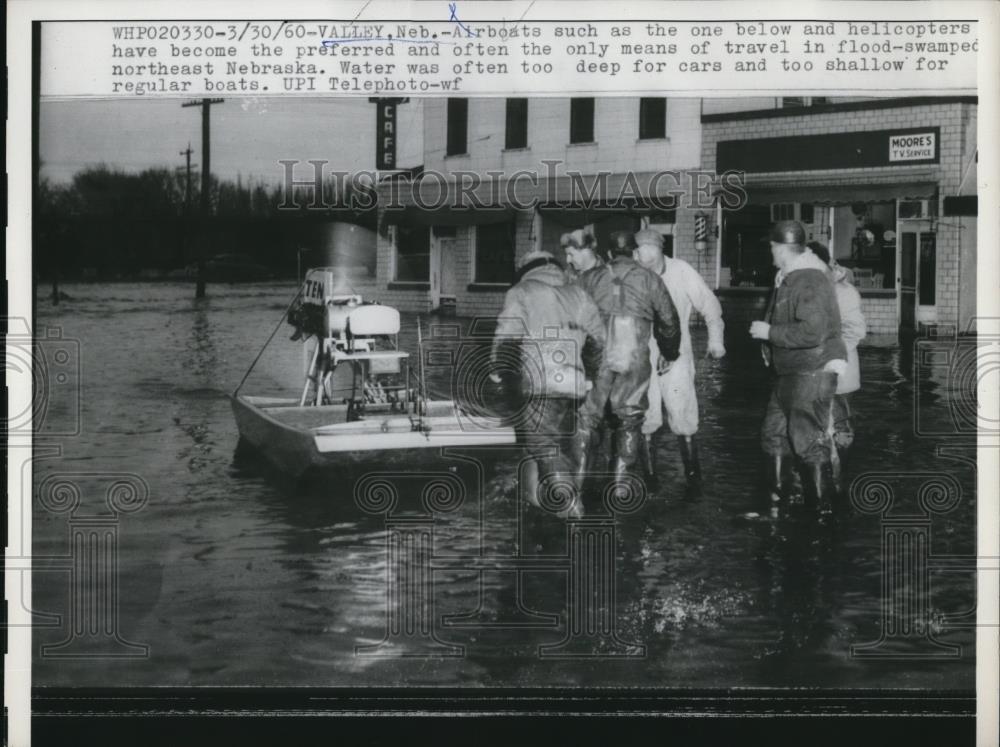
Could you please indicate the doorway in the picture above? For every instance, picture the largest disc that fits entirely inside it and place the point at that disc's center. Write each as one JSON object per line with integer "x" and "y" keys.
{"x": 444, "y": 275}
{"x": 917, "y": 279}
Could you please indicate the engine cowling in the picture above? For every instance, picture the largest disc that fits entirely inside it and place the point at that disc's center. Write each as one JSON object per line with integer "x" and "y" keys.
{"x": 325, "y": 312}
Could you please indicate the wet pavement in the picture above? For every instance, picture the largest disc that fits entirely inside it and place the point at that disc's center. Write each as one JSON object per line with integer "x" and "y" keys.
{"x": 232, "y": 574}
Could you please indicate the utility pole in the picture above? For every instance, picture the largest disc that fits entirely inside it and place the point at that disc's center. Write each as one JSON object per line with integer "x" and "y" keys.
{"x": 206, "y": 173}
{"x": 187, "y": 184}
{"x": 186, "y": 233}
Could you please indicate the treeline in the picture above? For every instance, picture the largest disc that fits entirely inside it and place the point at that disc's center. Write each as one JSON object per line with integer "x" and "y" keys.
{"x": 107, "y": 224}
{"x": 160, "y": 193}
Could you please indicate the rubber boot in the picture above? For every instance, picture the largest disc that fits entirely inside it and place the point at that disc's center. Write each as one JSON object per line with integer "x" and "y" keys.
{"x": 837, "y": 470}
{"x": 528, "y": 485}
{"x": 775, "y": 478}
{"x": 628, "y": 442}
{"x": 584, "y": 442}
{"x": 836, "y": 473}
{"x": 557, "y": 488}
{"x": 817, "y": 487}
{"x": 648, "y": 455}
{"x": 692, "y": 467}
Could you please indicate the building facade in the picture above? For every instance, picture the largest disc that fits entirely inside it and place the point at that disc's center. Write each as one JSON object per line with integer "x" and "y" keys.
{"x": 871, "y": 178}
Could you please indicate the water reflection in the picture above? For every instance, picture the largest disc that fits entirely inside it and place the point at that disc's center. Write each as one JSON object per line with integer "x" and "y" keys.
{"x": 238, "y": 575}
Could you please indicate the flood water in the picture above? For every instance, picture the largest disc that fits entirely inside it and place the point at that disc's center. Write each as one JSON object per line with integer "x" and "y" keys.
{"x": 234, "y": 575}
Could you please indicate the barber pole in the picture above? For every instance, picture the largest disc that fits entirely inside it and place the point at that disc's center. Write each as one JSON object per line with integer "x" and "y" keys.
{"x": 700, "y": 232}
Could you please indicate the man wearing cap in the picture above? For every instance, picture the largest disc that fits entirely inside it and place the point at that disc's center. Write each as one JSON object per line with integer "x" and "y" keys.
{"x": 581, "y": 252}
{"x": 674, "y": 390}
{"x": 560, "y": 334}
{"x": 633, "y": 303}
{"x": 806, "y": 354}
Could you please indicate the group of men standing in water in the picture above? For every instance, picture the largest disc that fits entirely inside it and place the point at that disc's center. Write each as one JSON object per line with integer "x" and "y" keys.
{"x": 607, "y": 340}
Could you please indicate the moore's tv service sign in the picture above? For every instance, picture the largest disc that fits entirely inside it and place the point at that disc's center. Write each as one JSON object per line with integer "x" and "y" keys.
{"x": 912, "y": 146}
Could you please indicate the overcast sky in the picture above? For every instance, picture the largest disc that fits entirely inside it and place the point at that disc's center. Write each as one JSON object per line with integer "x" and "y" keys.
{"x": 249, "y": 136}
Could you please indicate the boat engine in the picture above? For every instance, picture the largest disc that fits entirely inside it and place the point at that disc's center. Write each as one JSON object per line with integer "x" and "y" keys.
{"x": 355, "y": 333}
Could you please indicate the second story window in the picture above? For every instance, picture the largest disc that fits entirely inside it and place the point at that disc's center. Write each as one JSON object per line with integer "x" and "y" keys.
{"x": 581, "y": 120}
{"x": 517, "y": 124}
{"x": 791, "y": 102}
{"x": 652, "y": 118}
{"x": 458, "y": 127}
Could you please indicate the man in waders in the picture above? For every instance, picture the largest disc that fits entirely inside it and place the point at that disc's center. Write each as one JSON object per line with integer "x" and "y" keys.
{"x": 806, "y": 353}
{"x": 633, "y": 304}
{"x": 560, "y": 335}
{"x": 674, "y": 390}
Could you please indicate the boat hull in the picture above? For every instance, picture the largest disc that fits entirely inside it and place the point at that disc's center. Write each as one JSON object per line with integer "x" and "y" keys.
{"x": 281, "y": 432}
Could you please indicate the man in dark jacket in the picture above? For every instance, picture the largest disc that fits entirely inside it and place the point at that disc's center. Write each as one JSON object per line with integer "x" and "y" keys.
{"x": 633, "y": 303}
{"x": 802, "y": 329}
{"x": 559, "y": 331}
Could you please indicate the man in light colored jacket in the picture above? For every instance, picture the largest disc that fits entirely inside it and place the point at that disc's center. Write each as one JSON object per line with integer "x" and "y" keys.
{"x": 853, "y": 328}
{"x": 675, "y": 390}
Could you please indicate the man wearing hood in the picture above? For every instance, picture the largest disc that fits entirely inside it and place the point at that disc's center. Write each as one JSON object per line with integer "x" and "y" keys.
{"x": 560, "y": 335}
{"x": 581, "y": 252}
{"x": 802, "y": 330}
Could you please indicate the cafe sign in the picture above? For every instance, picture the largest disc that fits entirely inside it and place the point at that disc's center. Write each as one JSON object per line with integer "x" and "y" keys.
{"x": 386, "y": 131}
{"x": 912, "y": 146}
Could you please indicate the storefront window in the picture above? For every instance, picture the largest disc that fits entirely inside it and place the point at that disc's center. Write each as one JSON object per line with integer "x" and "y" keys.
{"x": 783, "y": 211}
{"x": 746, "y": 248}
{"x": 860, "y": 236}
{"x": 864, "y": 239}
{"x": 495, "y": 253}
{"x": 413, "y": 253}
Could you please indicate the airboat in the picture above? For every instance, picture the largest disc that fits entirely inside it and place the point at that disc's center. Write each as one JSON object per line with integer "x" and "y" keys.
{"x": 361, "y": 397}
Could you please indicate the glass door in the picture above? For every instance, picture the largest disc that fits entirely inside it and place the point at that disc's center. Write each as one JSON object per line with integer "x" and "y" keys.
{"x": 906, "y": 283}
{"x": 916, "y": 283}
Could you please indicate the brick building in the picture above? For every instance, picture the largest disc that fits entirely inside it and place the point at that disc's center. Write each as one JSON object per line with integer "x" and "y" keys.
{"x": 874, "y": 179}
{"x": 447, "y": 257}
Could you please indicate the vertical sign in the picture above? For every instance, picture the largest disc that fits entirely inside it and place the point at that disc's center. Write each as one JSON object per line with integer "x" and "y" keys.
{"x": 385, "y": 131}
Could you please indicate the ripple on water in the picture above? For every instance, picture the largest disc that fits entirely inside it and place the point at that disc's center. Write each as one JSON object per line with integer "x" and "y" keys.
{"x": 268, "y": 581}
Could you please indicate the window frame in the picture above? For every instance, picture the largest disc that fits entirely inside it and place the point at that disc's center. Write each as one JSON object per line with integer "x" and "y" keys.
{"x": 575, "y": 102}
{"x": 474, "y": 244}
{"x": 396, "y": 232}
{"x": 508, "y": 115}
{"x": 661, "y": 126}
{"x": 451, "y": 121}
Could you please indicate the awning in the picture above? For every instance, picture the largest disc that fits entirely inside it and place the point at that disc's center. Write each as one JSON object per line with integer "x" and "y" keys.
{"x": 446, "y": 215}
{"x": 597, "y": 211}
{"x": 839, "y": 194}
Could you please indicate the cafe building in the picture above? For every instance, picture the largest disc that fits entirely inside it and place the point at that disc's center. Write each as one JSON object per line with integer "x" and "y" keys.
{"x": 887, "y": 184}
{"x": 546, "y": 166}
